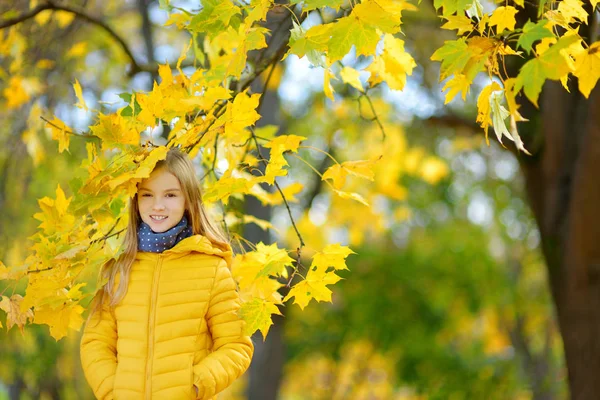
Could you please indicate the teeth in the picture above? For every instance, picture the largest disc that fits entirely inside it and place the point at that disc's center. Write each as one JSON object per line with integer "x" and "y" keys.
{"x": 158, "y": 217}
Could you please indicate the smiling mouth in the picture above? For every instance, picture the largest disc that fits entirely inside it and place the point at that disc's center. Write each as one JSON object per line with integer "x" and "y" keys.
{"x": 158, "y": 217}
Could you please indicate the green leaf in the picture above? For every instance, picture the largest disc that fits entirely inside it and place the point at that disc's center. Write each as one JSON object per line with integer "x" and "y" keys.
{"x": 531, "y": 78}
{"x": 309, "y": 5}
{"x": 454, "y": 55}
{"x": 75, "y": 184}
{"x": 311, "y": 47}
{"x": 164, "y": 5}
{"x": 532, "y": 33}
{"x": 127, "y": 111}
{"x": 451, "y": 7}
{"x": 349, "y": 31}
{"x": 214, "y": 17}
{"x": 116, "y": 206}
{"x": 257, "y": 314}
{"x": 255, "y": 38}
{"x": 551, "y": 64}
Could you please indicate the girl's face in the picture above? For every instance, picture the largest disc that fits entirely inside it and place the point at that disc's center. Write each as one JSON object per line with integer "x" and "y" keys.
{"x": 160, "y": 200}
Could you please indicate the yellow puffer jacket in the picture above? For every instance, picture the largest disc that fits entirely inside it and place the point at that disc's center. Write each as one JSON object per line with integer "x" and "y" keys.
{"x": 177, "y": 327}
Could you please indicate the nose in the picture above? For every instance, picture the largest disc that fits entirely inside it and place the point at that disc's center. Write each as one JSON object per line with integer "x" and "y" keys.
{"x": 158, "y": 205}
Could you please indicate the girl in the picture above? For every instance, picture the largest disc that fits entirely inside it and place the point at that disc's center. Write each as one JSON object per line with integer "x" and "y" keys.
{"x": 166, "y": 324}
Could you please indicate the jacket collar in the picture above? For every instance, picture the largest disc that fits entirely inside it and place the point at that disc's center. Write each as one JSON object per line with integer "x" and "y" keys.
{"x": 192, "y": 244}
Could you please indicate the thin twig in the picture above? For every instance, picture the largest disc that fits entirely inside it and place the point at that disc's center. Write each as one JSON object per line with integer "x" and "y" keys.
{"x": 264, "y": 92}
{"x": 107, "y": 236}
{"x": 263, "y": 160}
{"x": 375, "y": 114}
{"x": 86, "y": 135}
{"x": 296, "y": 270}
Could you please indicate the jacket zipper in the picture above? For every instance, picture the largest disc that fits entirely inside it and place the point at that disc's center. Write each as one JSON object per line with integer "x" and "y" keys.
{"x": 151, "y": 322}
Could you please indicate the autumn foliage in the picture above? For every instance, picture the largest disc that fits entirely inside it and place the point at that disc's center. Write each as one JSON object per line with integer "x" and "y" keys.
{"x": 206, "y": 101}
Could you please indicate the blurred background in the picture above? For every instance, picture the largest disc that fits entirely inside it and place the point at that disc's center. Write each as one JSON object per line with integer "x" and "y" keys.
{"x": 447, "y": 296}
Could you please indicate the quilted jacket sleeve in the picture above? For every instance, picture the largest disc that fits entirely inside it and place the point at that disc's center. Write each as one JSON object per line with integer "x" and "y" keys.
{"x": 232, "y": 350}
{"x": 98, "y": 352}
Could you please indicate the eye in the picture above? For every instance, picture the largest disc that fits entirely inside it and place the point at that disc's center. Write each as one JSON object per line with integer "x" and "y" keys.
{"x": 146, "y": 195}
{"x": 171, "y": 195}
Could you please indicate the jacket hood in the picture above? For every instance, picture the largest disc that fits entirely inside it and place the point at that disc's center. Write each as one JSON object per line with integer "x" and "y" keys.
{"x": 193, "y": 244}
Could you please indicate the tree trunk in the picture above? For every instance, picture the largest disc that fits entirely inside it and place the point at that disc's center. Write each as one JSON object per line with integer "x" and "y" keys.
{"x": 564, "y": 192}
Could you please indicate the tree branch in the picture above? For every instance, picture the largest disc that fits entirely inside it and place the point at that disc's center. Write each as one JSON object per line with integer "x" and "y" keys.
{"x": 82, "y": 14}
{"x": 25, "y": 16}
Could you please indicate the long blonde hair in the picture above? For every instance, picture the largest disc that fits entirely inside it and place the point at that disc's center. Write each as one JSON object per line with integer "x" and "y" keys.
{"x": 180, "y": 165}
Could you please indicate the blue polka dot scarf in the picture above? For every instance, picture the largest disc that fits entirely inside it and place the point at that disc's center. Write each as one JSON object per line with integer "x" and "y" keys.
{"x": 152, "y": 242}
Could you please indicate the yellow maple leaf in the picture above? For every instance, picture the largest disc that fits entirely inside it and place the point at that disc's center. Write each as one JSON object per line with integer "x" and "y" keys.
{"x": 240, "y": 114}
{"x": 333, "y": 255}
{"x": 587, "y": 68}
{"x": 352, "y": 77}
{"x": 372, "y": 12}
{"x": 55, "y": 215}
{"x": 60, "y": 132}
{"x": 277, "y": 162}
{"x": 130, "y": 178}
{"x": 79, "y": 94}
{"x": 14, "y": 314}
{"x": 483, "y": 107}
{"x": 226, "y": 187}
{"x": 273, "y": 260}
{"x": 337, "y": 174}
{"x": 458, "y": 84}
{"x": 274, "y": 199}
{"x": 352, "y": 196}
{"x": 263, "y": 224}
{"x": 147, "y": 165}
{"x": 572, "y": 10}
{"x": 313, "y": 287}
{"x": 510, "y": 95}
{"x": 12, "y": 273}
{"x": 257, "y": 315}
{"x": 246, "y": 269}
{"x": 114, "y": 130}
{"x": 360, "y": 168}
{"x": 275, "y": 167}
{"x": 460, "y": 22}
{"x": 179, "y": 19}
{"x": 286, "y": 143}
{"x": 503, "y": 18}
{"x": 211, "y": 96}
{"x": 394, "y": 64}
{"x": 544, "y": 45}
{"x": 60, "y": 319}
{"x": 166, "y": 75}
